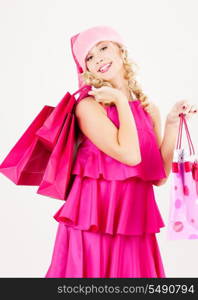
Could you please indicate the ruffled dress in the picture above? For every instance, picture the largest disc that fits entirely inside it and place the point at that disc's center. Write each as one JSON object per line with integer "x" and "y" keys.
{"x": 108, "y": 223}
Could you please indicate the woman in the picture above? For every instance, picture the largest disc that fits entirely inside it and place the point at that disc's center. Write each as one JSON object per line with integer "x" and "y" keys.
{"x": 108, "y": 225}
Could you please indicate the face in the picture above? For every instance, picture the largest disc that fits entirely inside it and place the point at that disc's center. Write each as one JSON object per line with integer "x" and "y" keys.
{"x": 104, "y": 52}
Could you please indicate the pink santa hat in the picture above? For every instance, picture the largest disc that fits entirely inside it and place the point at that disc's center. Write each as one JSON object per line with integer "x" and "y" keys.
{"x": 82, "y": 42}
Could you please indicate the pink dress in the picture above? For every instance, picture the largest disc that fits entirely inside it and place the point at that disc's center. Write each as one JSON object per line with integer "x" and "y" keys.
{"x": 108, "y": 223}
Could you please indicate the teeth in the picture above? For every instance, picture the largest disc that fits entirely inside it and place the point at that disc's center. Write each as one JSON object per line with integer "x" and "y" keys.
{"x": 104, "y": 67}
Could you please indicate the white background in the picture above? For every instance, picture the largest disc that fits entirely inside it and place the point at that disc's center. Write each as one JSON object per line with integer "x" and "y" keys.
{"x": 37, "y": 68}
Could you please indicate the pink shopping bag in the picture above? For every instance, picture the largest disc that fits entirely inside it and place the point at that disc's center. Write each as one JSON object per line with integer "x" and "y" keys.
{"x": 45, "y": 152}
{"x": 48, "y": 133}
{"x": 27, "y": 160}
{"x": 183, "y": 209}
{"x": 57, "y": 179}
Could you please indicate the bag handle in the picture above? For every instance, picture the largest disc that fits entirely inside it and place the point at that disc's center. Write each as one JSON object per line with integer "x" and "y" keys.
{"x": 179, "y": 133}
{"x": 179, "y": 139}
{"x": 83, "y": 88}
{"x": 188, "y": 135}
{"x": 183, "y": 121}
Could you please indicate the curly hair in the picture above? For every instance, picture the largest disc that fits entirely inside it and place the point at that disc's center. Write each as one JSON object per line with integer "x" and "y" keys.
{"x": 129, "y": 67}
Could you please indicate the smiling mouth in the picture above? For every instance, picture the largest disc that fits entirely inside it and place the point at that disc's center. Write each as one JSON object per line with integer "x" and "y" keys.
{"x": 105, "y": 68}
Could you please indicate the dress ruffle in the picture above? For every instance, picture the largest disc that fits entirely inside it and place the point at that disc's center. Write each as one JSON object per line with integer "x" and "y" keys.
{"x": 85, "y": 254}
{"x": 112, "y": 207}
{"x": 108, "y": 222}
{"x": 93, "y": 163}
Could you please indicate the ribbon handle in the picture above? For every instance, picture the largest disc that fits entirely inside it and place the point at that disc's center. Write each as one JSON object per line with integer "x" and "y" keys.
{"x": 191, "y": 147}
{"x": 179, "y": 138}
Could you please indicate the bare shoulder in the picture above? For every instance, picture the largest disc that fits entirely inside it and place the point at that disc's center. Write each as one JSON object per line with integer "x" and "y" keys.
{"x": 155, "y": 113}
{"x": 89, "y": 103}
{"x": 155, "y": 106}
{"x": 156, "y": 118}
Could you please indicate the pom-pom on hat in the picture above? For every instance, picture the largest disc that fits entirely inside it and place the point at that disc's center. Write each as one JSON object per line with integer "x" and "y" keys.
{"x": 82, "y": 42}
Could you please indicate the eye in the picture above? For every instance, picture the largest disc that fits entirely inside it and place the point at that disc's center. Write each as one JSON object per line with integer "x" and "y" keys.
{"x": 89, "y": 57}
{"x": 92, "y": 56}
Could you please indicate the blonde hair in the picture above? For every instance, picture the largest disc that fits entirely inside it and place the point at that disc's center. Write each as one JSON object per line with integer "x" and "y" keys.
{"x": 129, "y": 67}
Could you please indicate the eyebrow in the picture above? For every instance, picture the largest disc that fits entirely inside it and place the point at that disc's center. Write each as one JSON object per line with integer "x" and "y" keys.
{"x": 101, "y": 42}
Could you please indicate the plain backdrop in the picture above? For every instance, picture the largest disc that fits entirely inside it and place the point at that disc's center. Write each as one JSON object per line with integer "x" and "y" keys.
{"x": 37, "y": 68}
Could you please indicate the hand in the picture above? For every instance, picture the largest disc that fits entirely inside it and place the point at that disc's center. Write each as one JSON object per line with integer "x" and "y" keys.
{"x": 107, "y": 95}
{"x": 184, "y": 107}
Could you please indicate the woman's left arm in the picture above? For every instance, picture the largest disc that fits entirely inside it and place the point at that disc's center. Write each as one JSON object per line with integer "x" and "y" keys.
{"x": 167, "y": 146}
{"x": 168, "y": 142}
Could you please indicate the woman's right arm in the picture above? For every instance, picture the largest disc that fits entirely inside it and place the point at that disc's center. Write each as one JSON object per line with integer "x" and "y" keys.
{"x": 120, "y": 143}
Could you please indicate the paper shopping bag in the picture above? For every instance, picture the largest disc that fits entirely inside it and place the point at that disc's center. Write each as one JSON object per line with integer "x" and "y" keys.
{"x": 50, "y": 130}
{"x": 57, "y": 179}
{"x": 45, "y": 153}
{"x": 183, "y": 209}
{"x": 27, "y": 160}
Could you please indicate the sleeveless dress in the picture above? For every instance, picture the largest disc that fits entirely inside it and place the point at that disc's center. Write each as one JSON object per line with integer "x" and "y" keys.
{"x": 108, "y": 223}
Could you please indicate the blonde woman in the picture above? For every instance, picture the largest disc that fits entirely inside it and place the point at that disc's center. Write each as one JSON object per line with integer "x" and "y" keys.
{"x": 108, "y": 225}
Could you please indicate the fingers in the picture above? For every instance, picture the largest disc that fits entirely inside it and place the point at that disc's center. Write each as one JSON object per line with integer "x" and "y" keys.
{"x": 189, "y": 108}
{"x": 104, "y": 94}
{"x": 193, "y": 109}
{"x": 186, "y": 107}
{"x": 97, "y": 95}
{"x": 96, "y": 91}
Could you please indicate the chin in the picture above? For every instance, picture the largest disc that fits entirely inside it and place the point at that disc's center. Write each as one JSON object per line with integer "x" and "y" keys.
{"x": 108, "y": 75}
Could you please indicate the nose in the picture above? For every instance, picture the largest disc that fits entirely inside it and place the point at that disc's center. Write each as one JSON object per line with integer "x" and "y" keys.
{"x": 99, "y": 61}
